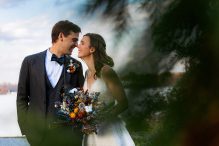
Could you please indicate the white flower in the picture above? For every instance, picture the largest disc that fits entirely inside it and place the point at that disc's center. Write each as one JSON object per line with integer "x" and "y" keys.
{"x": 73, "y": 90}
{"x": 88, "y": 108}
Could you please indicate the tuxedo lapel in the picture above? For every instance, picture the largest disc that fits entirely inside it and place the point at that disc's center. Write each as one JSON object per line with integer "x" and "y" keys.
{"x": 41, "y": 72}
{"x": 67, "y": 78}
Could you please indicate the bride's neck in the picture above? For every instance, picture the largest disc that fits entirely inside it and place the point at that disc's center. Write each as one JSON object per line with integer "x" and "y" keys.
{"x": 90, "y": 64}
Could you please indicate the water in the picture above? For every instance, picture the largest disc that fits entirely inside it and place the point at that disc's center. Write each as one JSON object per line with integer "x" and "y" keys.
{"x": 8, "y": 116}
{"x": 13, "y": 141}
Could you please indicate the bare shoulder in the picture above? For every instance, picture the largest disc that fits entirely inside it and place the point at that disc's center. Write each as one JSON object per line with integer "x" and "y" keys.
{"x": 108, "y": 72}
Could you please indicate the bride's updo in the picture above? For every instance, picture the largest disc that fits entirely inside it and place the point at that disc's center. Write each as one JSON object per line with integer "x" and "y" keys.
{"x": 100, "y": 56}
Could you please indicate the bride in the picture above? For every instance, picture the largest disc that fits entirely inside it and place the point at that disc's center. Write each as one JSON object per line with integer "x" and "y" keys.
{"x": 100, "y": 77}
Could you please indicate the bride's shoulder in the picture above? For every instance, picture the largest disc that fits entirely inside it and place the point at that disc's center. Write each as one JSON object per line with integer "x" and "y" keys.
{"x": 106, "y": 69}
{"x": 107, "y": 72}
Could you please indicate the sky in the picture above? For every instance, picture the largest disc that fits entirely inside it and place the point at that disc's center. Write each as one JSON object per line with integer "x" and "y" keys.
{"x": 25, "y": 28}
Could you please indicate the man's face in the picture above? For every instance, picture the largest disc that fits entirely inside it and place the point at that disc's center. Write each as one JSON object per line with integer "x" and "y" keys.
{"x": 69, "y": 43}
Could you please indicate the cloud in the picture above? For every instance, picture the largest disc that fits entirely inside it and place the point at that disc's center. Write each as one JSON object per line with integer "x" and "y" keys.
{"x": 22, "y": 35}
{"x": 62, "y": 2}
{"x": 71, "y": 3}
{"x": 10, "y": 3}
{"x": 5, "y": 36}
{"x": 19, "y": 39}
{"x": 29, "y": 29}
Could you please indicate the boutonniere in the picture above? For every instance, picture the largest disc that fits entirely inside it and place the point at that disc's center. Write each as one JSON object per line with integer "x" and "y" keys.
{"x": 70, "y": 65}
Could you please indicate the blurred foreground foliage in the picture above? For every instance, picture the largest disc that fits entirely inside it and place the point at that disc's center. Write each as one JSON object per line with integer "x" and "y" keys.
{"x": 185, "y": 114}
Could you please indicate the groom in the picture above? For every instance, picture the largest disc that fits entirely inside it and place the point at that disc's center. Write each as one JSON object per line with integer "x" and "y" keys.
{"x": 42, "y": 76}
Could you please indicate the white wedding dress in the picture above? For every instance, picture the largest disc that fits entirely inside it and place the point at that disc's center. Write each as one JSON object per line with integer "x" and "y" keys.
{"x": 115, "y": 133}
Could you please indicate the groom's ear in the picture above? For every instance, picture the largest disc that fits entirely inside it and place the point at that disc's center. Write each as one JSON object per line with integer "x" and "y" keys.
{"x": 60, "y": 36}
{"x": 92, "y": 50}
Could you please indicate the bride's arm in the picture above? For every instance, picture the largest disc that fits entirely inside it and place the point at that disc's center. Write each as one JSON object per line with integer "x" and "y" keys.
{"x": 114, "y": 85}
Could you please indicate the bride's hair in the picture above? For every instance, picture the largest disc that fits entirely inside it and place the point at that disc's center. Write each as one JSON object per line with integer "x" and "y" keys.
{"x": 100, "y": 56}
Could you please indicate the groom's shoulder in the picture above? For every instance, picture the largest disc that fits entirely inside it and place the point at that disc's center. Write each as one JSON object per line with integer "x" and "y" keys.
{"x": 35, "y": 56}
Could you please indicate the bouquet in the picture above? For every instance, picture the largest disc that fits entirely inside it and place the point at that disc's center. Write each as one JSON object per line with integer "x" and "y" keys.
{"x": 80, "y": 109}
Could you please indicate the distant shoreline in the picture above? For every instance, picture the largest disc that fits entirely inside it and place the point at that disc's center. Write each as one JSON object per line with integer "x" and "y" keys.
{"x": 8, "y": 93}
{"x": 6, "y": 88}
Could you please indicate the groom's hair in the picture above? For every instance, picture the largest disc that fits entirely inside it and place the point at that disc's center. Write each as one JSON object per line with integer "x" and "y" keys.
{"x": 64, "y": 27}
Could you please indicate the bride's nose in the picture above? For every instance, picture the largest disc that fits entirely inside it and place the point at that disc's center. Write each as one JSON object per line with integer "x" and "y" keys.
{"x": 79, "y": 45}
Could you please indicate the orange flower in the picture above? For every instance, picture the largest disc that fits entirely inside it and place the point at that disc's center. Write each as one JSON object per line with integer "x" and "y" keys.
{"x": 76, "y": 110}
{"x": 72, "y": 115}
{"x": 72, "y": 69}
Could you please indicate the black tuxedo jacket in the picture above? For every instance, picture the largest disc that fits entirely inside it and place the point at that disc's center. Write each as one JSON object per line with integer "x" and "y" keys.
{"x": 31, "y": 94}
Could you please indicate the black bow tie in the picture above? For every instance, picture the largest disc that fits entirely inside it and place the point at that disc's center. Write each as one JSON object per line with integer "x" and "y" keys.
{"x": 60, "y": 60}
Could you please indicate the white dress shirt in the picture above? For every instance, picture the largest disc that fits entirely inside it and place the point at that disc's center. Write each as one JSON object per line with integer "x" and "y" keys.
{"x": 53, "y": 69}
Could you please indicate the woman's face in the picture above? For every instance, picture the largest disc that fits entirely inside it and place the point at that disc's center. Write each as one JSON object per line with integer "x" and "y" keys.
{"x": 84, "y": 48}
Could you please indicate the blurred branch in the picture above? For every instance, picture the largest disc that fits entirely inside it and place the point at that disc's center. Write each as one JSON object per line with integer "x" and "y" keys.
{"x": 119, "y": 11}
{"x": 116, "y": 9}
{"x": 143, "y": 81}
